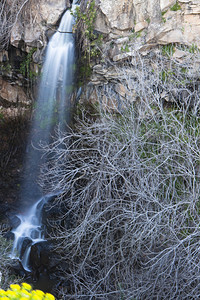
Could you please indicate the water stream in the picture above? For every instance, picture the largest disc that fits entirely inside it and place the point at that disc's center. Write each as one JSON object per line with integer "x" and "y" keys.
{"x": 52, "y": 109}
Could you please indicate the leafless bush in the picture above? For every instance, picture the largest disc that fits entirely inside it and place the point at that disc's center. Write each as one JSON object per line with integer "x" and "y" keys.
{"x": 131, "y": 189}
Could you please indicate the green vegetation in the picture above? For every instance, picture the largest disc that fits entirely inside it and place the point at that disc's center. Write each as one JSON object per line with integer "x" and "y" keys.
{"x": 5, "y": 67}
{"x": 163, "y": 18}
{"x": 1, "y": 115}
{"x": 164, "y": 12}
{"x": 86, "y": 19}
{"x": 24, "y": 292}
{"x": 148, "y": 20}
{"x": 175, "y": 7}
{"x": 135, "y": 35}
{"x": 193, "y": 49}
{"x": 167, "y": 75}
{"x": 89, "y": 41}
{"x": 25, "y": 67}
{"x": 138, "y": 34}
{"x": 168, "y": 50}
{"x": 125, "y": 48}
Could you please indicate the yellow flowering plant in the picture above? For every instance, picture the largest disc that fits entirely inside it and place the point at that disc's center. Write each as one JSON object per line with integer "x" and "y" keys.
{"x": 24, "y": 292}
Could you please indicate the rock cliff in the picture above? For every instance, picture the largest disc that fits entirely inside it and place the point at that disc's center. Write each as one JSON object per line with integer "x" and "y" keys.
{"x": 148, "y": 28}
{"x": 163, "y": 21}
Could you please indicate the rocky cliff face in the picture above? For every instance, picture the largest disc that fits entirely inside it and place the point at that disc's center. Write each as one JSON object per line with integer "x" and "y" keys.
{"x": 145, "y": 28}
{"x": 163, "y": 21}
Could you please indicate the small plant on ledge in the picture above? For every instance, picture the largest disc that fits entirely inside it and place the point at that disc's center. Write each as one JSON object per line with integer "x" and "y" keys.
{"x": 89, "y": 40}
{"x": 175, "y": 7}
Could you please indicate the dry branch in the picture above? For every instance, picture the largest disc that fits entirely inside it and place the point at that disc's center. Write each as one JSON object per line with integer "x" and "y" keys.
{"x": 131, "y": 189}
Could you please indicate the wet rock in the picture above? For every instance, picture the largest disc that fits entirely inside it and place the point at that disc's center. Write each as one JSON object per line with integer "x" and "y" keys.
{"x": 39, "y": 255}
{"x": 14, "y": 221}
{"x": 25, "y": 244}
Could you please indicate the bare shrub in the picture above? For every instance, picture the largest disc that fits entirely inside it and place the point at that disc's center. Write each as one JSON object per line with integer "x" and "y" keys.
{"x": 131, "y": 189}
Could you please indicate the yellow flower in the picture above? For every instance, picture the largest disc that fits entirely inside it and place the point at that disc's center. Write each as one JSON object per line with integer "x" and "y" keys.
{"x": 49, "y": 296}
{"x": 25, "y": 293}
{"x": 2, "y": 293}
{"x": 15, "y": 287}
{"x": 39, "y": 293}
{"x": 10, "y": 294}
{"x": 36, "y": 297}
{"x": 26, "y": 286}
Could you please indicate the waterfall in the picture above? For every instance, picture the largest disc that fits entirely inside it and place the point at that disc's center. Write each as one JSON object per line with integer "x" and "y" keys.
{"x": 52, "y": 108}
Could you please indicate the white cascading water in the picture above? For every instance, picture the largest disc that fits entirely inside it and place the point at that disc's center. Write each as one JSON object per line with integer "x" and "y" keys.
{"x": 52, "y": 108}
